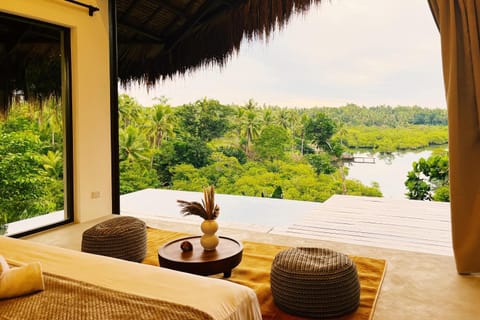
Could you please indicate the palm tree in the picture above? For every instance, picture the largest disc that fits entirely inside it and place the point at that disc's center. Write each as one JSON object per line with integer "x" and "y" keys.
{"x": 133, "y": 144}
{"x": 128, "y": 110}
{"x": 267, "y": 115}
{"x": 50, "y": 120}
{"x": 160, "y": 124}
{"x": 283, "y": 118}
{"x": 53, "y": 163}
{"x": 251, "y": 128}
{"x": 339, "y": 160}
{"x": 303, "y": 120}
{"x": 294, "y": 122}
{"x": 251, "y": 105}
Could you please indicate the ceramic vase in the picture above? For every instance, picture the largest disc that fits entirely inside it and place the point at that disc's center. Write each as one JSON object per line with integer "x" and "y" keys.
{"x": 209, "y": 240}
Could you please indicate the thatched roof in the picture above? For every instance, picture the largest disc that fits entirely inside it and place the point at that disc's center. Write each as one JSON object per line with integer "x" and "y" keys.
{"x": 34, "y": 73}
{"x": 157, "y": 38}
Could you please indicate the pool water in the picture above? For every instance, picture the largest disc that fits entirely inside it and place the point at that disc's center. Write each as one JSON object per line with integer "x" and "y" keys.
{"x": 233, "y": 209}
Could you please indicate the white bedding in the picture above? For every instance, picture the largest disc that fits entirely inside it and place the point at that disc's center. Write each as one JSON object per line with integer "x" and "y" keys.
{"x": 219, "y": 298}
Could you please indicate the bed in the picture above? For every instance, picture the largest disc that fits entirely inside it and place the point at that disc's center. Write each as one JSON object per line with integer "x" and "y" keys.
{"x": 220, "y": 299}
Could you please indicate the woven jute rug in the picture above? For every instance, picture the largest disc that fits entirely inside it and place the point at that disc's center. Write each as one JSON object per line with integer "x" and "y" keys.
{"x": 254, "y": 272}
{"x": 68, "y": 299}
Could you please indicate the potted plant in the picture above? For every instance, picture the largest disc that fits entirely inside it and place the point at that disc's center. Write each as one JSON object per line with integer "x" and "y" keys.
{"x": 207, "y": 210}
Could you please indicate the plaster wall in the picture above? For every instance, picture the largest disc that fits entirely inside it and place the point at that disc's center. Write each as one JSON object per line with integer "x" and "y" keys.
{"x": 90, "y": 97}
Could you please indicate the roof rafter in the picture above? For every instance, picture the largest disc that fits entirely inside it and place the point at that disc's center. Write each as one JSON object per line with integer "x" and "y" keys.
{"x": 207, "y": 9}
{"x": 143, "y": 32}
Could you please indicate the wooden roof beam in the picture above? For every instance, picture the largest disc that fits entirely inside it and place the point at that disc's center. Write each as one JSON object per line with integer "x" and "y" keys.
{"x": 143, "y": 32}
{"x": 172, "y": 9}
{"x": 127, "y": 11}
{"x": 206, "y": 9}
{"x": 168, "y": 7}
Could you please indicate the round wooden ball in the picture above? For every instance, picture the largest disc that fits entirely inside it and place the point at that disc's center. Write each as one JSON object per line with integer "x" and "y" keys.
{"x": 186, "y": 246}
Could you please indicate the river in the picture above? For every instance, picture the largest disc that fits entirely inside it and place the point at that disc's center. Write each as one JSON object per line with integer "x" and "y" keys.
{"x": 390, "y": 171}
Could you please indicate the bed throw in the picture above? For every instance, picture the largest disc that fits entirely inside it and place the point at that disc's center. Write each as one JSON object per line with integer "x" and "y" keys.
{"x": 69, "y": 299}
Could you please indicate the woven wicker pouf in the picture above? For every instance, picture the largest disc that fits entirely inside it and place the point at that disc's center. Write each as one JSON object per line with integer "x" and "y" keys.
{"x": 315, "y": 282}
{"x": 123, "y": 238}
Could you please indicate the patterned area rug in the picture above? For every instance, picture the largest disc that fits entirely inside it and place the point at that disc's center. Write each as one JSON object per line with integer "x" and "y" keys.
{"x": 254, "y": 272}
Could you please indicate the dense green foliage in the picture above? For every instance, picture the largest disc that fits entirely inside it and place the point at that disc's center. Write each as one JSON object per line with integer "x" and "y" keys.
{"x": 385, "y": 116}
{"x": 253, "y": 150}
{"x": 386, "y": 139}
{"x": 429, "y": 178}
{"x": 31, "y": 161}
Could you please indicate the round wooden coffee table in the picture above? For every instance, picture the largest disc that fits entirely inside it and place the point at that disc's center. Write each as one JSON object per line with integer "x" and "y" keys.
{"x": 224, "y": 258}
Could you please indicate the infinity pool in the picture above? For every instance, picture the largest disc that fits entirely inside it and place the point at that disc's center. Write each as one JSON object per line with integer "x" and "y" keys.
{"x": 233, "y": 209}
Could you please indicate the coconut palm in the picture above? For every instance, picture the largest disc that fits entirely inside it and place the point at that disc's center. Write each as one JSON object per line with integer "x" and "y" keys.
{"x": 160, "y": 124}
{"x": 50, "y": 120}
{"x": 251, "y": 128}
{"x": 128, "y": 110}
{"x": 283, "y": 118}
{"x": 52, "y": 162}
{"x": 133, "y": 144}
{"x": 267, "y": 115}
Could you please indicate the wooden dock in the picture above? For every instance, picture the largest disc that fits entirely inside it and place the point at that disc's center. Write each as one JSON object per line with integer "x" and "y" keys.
{"x": 370, "y": 160}
{"x": 420, "y": 226}
{"x": 358, "y": 159}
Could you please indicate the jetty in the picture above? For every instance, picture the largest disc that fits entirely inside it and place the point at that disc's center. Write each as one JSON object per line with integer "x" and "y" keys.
{"x": 358, "y": 159}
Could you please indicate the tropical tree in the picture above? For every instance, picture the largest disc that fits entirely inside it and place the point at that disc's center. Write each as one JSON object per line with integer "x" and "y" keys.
{"x": 250, "y": 128}
{"x": 128, "y": 110}
{"x": 320, "y": 129}
{"x": 133, "y": 144}
{"x": 205, "y": 119}
{"x": 192, "y": 150}
{"x": 52, "y": 162}
{"x": 272, "y": 143}
{"x": 50, "y": 123}
{"x": 26, "y": 192}
{"x": 429, "y": 179}
{"x": 284, "y": 118}
{"x": 136, "y": 176}
{"x": 321, "y": 162}
{"x": 187, "y": 177}
{"x": 303, "y": 121}
{"x": 237, "y": 153}
{"x": 267, "y": 115}
{"x": 160, "y": 124}
{"x": 183, "y": 149}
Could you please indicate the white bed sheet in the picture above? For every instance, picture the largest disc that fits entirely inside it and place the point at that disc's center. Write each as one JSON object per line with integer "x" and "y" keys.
{"x": 221, "y": 299}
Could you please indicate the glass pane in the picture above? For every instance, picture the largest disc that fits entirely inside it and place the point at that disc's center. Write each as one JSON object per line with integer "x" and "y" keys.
{"x": 32, "y": 180}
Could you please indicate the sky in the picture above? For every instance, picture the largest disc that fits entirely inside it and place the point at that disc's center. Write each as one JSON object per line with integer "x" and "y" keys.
{"x": 368, "y": 52}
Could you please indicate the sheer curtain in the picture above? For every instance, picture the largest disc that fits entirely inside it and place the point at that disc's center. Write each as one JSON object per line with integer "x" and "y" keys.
{"x": 458, "y": 23}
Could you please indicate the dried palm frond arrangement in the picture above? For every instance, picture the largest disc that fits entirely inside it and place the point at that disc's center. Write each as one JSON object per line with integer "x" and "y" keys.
{"x": 208, "y": 210}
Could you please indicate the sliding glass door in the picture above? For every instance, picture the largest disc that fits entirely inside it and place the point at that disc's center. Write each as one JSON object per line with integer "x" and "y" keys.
{"x": 36, "y": 187}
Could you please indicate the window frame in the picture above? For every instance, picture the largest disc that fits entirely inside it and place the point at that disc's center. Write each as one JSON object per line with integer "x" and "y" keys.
{"x": 67, "y": 114}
